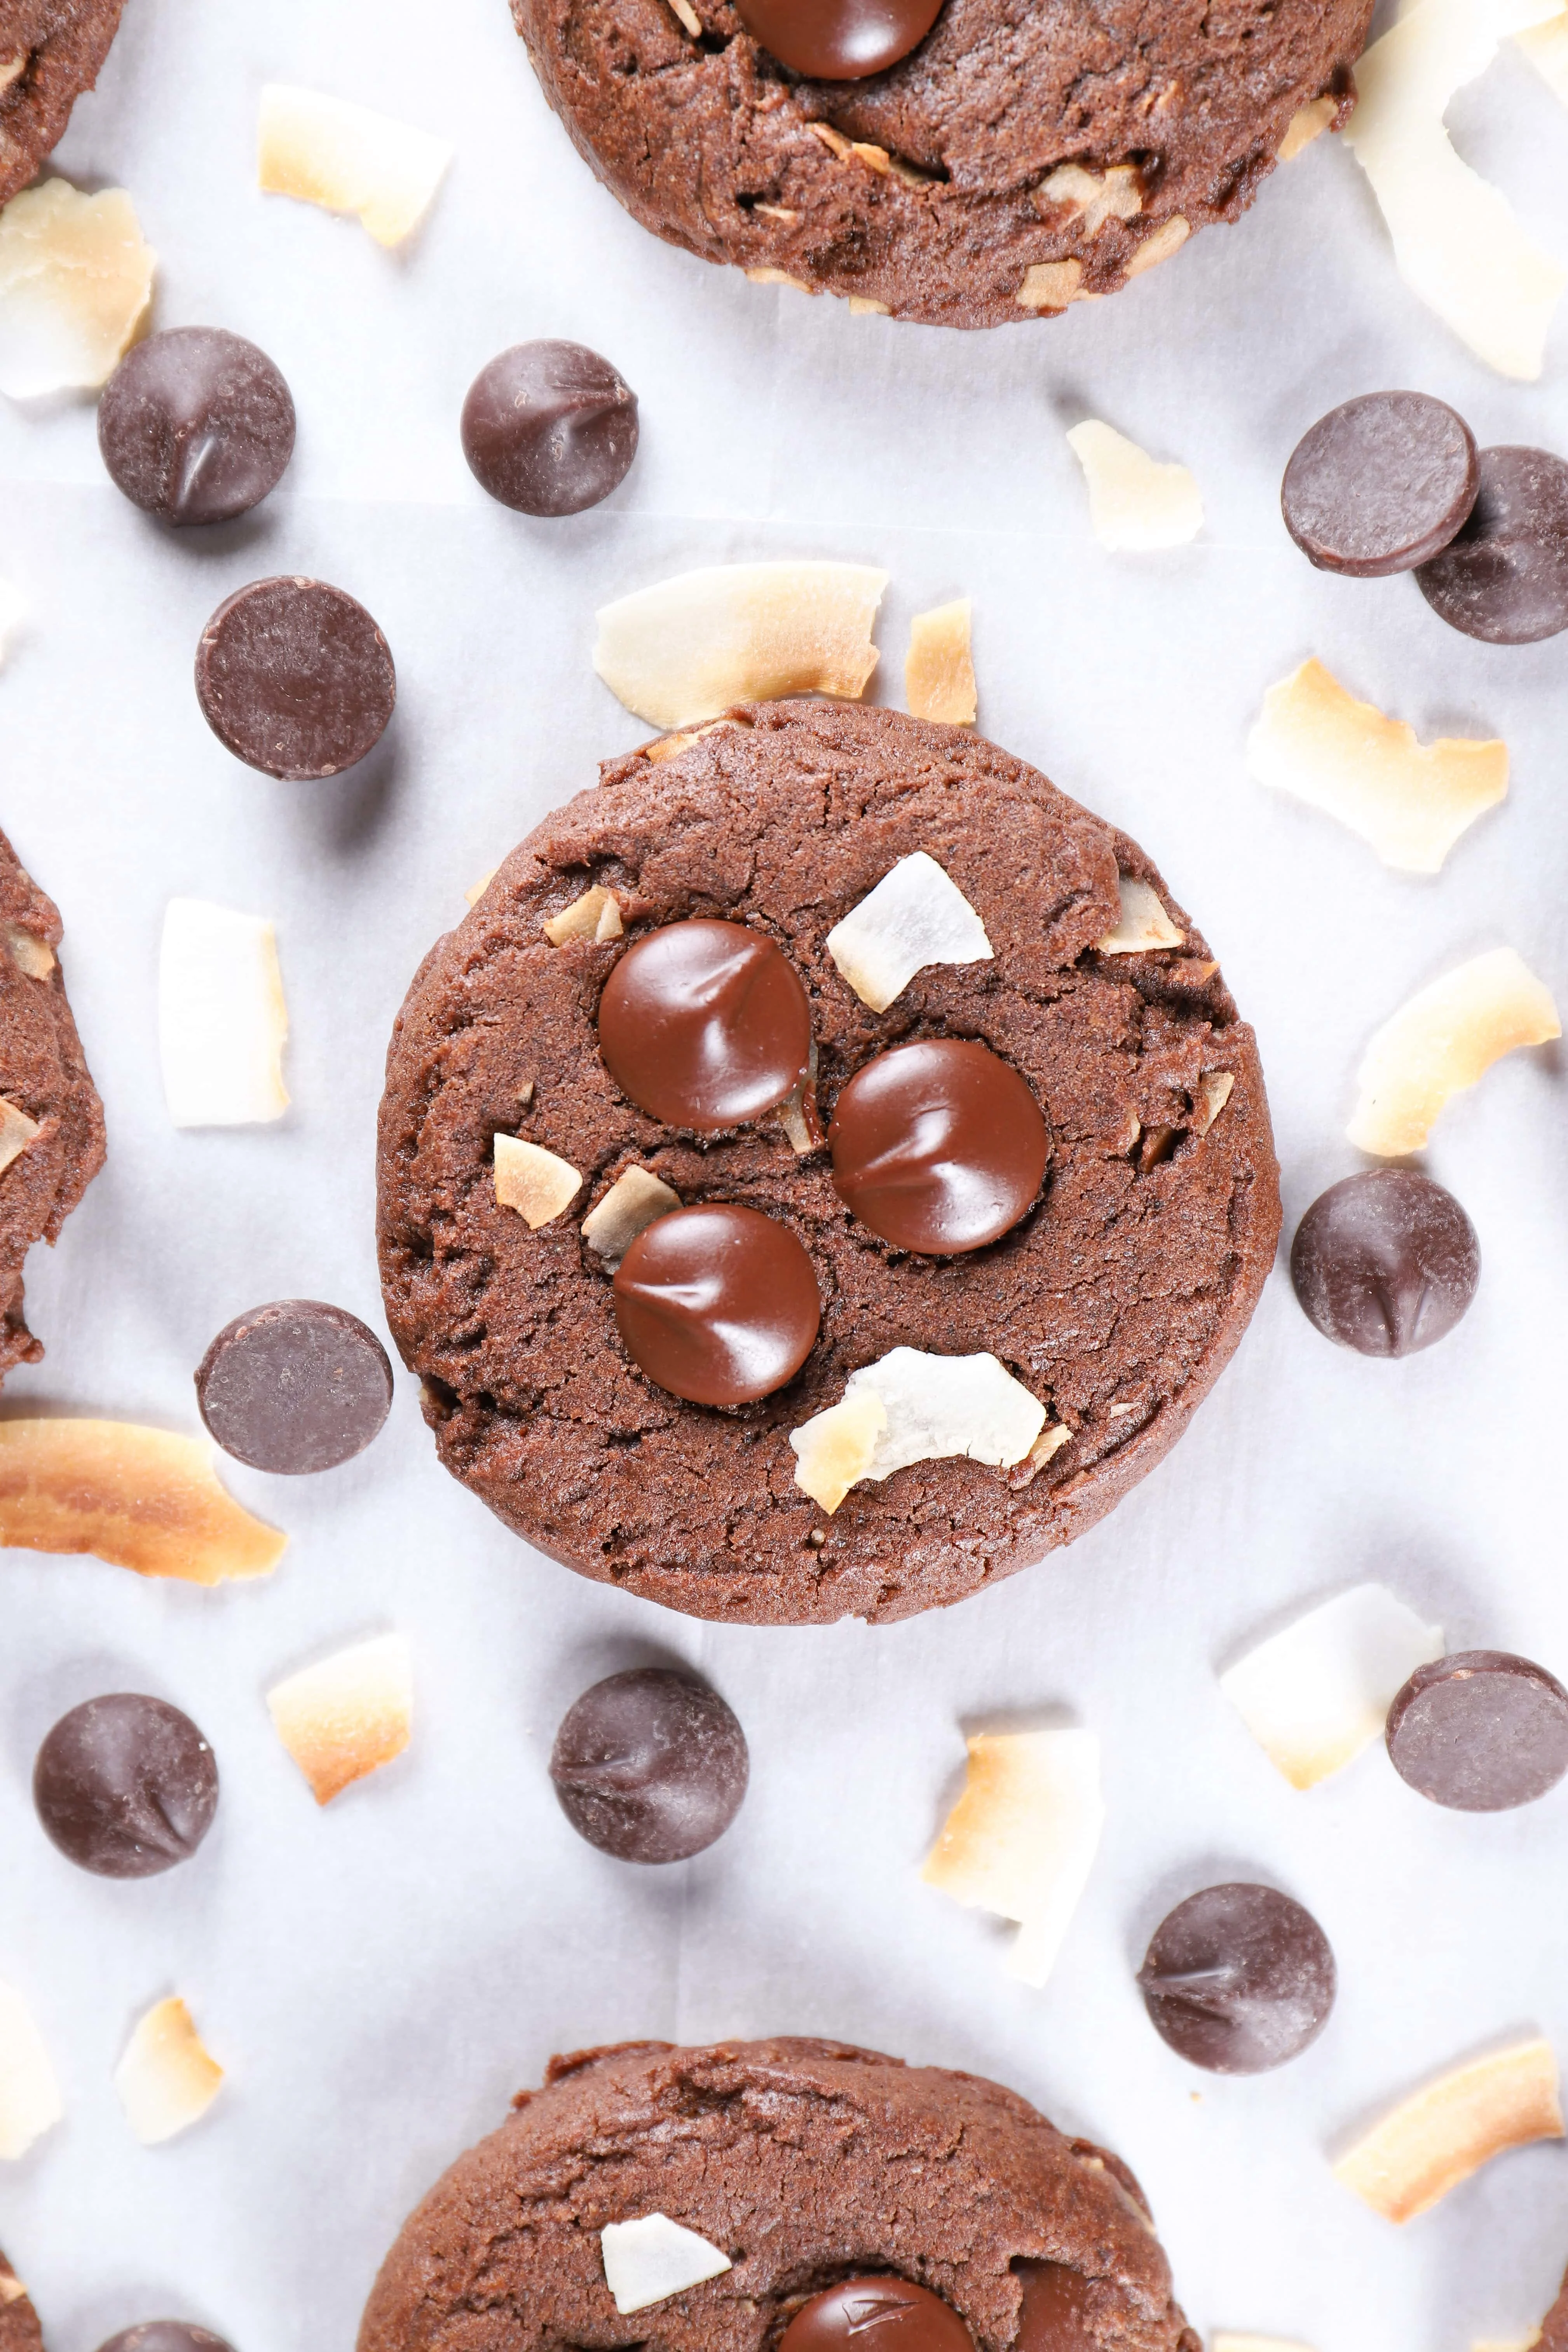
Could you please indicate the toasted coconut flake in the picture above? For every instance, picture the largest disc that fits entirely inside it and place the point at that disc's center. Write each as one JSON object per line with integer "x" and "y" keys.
{"x": 833, "y": 141}
{"x": 650, "y": 2259}
{"x": 139, "y": 1498}
{"x": 1133, "y": 502}
{"x": 597, "y": 916}
{"x": 347, "y": 159}
{"x": 1049, "y": 1442}
{"x": 1051, "y": 286}
{"x": 1309, "y": 123}
{"x": 17, "y": 1131}
{"x": 222, "y": 1020}
{"x": 1214, "y": 1090}
{"x": 768, "y": 276}
{"x": 1457, "y": 243}
{"x": 636, "y": 1200}
{"x": 1314, "y": 1695}
{"x": 688, "y": 648}
{"x": 349, "y": 1714}
{"x": 534, "y": 1181}
{"x": 1448, "y": 2130}
{"x": 477, "y": 890}
{"x": 671, "y": 747}
{"x": 1143, "y": 925}
{"x": 1442, "y": 1042}
{"x": 1167, "y": 239}
{"x": 930, "y": 1409}
{"x": 28, "y": 951}
{"x": 1411, "y": 801}
{"x": 76, "y": 278}
{"x": 916, "y": 916}
{"x": 1546, "y": 47}
{"x": 939, "y": 670}
{"x": 30, "y": 2102}
{"x": 689, "y": 17}
{"x": 1092, "y": 197}
{"x": 1022, "y": 1838}
{"x": 862, "y": 306}
{"x": 167, "y": 2079}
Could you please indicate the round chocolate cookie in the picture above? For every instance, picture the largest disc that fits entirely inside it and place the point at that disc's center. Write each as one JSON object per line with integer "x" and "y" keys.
{"x": 1114, "y": 1299}
{"x": 1009, "y": 160}
{"x": 807, "y": 2164}
{"x": 51, "y": 1121}
{"x": 51, "y": 51}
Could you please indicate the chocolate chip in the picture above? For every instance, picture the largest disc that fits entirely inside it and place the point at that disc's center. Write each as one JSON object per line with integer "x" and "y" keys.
{"x": 705, "y": 1024}
{"x": 1052, "y": 2317}
{"x": 1505, "y": 577}
{"x": 165, "y": 2336}
{"x": 938, "y": 1146}
{"x": 549, "y": 428}
{"x": 1381, "y": 484}
{"x": 295, "y": 1386}
{"x": 650, "y": 1766}
{"x": 838, "y": 40}
{"x": 126, "y": 1786}
{"x": 717, "y": 1303}
{"x": 196, "y": 425}
{"x": 891, "y": 2313}
{"x": 1481, "y": 1731}
{"x": 295, "y": 678}
{"x": 1385, "y": 1262}
{"x": 1239, "y": 1979}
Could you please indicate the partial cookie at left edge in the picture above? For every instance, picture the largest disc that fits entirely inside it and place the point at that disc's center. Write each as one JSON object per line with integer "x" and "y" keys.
{"x": 44, "y": 1074}
{"x": 51, "y": 51}
{"x": 19, "y": 2329}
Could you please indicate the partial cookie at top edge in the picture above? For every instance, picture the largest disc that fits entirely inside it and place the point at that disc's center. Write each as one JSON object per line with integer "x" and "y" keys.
{"x": 51, "y": 51}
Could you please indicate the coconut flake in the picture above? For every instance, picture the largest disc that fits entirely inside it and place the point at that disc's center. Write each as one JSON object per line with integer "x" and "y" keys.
{"x": 1308, "y": 122}
{"x": 1546, "y": 47}
{"x": 939, "y": 669}
{"x": 1448, "y": 2129}
{"x": 1410, "y": 801}
{"x": 930, "y": 1407}
{"x": 167, "y": 2079}
{"x": 636, "y": 1200}
{"x": 1142, "y": 926}
{"x": 688, "y": 648}
{"x": 1314, "y": 1695}
{"x": 916, "y": 916}
{"x": 534, "y": 1181}
{"x": 347, "y": 159}
{"x": 1457, "y": 243}
{"x": 222, "y": 1020}
{"x": 597, "y": 916}
{"x": 1022, "y": 1838}
{"x": 650, "y": 2259}
{"x": 348, "y": 1715}
{"x": 76, "y": 279}
{"x": 1442, "y": 1041}
{"x": 139, "y": 1498}
{"x": 1134, "y": 502}
{"x": 30, "y": 2102}
{"x": 17, "y": 1131}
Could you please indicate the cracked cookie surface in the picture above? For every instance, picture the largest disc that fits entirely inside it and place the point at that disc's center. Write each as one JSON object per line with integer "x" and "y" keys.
{"x": 51, "y": 51}
{"x": 1116, "y": 1299}
{"x": 1084, "y": 139}
{"x": 805, "y": 2162}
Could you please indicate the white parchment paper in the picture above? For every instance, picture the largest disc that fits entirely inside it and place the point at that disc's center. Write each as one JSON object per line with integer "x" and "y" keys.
{"x": 379, "y": 1978}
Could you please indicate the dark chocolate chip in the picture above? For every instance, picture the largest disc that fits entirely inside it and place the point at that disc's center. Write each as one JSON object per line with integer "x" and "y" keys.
{"x": 1239, "y": 1978}
{"x": 1052, "y": 2317}
{"x": 196, "y": 425}
{"x": 1481, "y": 1731}
{"x": 938, "y": 1146}
{"x": 838, "y": 40}
{"x": 1385, "y": 1262}
{"x": 165, "y": 2336}
{"x": 1504, "y": 578}
{"x": 126, "y": 1786}
{"x": 549, "y": 428}
{"x": 1381, "y": 484}
{"x": 295, "y": 678}
{"x": 650, "y": 1766}
{"x": 718, "y": 1303}
{"x": 891, "y": 2314}
{"x": 705, "y": 1024}
{"x": 295, "y": 1386}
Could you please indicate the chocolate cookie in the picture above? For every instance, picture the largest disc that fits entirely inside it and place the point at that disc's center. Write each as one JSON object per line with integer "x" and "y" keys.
{"x": 1114, "y": 1300}
{"x": 51, "y": 51}
{"x": 51, "y": 1121}
{"x": 1015, "y": 160}
{"x": 19, "y": 2329}
{"x": 1554, "y": 2326}
{"x": 805, "y": 2163}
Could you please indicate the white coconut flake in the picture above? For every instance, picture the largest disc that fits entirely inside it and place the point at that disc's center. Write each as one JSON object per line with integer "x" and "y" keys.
{"x": 636, "y": 1200}
{"x": 537, "y": 1183}
{"x": 347, "y": 159}
{"x": 687, "y": 648}
{"x": 1314, "y": 1695}
{"x": 932, "y": 1408}
{"x": 1442, "y": 1042}
{"x": 76, "y": 278}
{"x": 916, "y": 916}
{"x": 1135, "y": 503}
{"x": 1142, "y": 926}
{"x": 222, "y": 1020}
{"x": 1022, "y": 1838}
{"x": 30, "y": 2103}
{"x": 650, "y": 2259}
